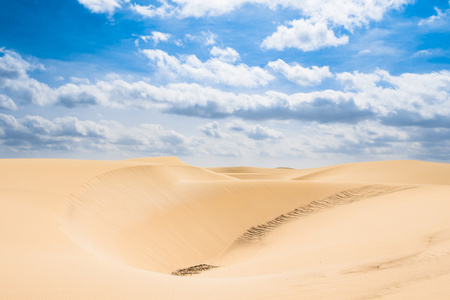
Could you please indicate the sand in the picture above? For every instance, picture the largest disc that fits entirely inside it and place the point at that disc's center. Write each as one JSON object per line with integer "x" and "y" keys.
{"x": 158, "y": 228}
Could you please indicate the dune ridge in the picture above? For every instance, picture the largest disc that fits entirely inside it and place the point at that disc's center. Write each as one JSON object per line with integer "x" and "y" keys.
{"x": 257, "y": 233}
{"x": 122, "y": 230}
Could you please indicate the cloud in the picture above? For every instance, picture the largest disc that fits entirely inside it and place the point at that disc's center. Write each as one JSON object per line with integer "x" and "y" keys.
{"x": 304, "y": 35}
{"x": 7, "y": 103}
{"x": 368, "y": 138}
{"x": 255, "y": 131}
{"x": 314, "y": 29}
{"x": 404, "y": 100}
{"x": 423, "y": 53}
{"x": 227, "y": 55}
{"x": 165, "y": 10}
{"x": 78, "y": 80}
{"x": 12, "y": 66}
{"x": 430, "y": 53}
{"x": 213, "y": 70}
{"x": 440, "y": 19}
{"x": 348, "y": 12}
{"x": 16, "y": 83}
{"x": 156, "y": 37}
{"x": 317, "y": 29}
{"x": 102, "y": 6}
{"x": 212, "y": 129}
{"x": 35, "y": 133}
{"x": 300, "y": 75}
{"x": 206, "y": 38}
{"x": 364, "y": 52}
{"x": 184, "y": 8}
{"x": 422, "y": 96}
{"x": 207, "y": 102}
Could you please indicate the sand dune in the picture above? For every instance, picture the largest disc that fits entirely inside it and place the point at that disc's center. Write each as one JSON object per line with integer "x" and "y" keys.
{"x": 158, "y": 228}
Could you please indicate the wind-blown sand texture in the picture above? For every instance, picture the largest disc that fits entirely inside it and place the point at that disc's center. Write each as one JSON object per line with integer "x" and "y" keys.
{"x": 158, "y": 228}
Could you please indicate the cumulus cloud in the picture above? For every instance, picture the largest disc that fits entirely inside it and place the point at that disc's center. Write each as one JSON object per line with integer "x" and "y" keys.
{"x": 227, "y": 55}
{"x": 255, "y": 131}
{"x": 213, "y": 70}
{"x": 164, "y": 10}
{"x": 7, "y": 103}
{"x": 184, "y": 8}
{"x": 33, "y": 133}
{"x": 300, "y": 75}
{"x": 102, "y": 6}
{"x": 13, "y": 66}
{"x": 369, "y": 138}
{"x": 156, "y": 37}
{"x": 316, "y": 30}
{"x": 16, "y": 83}
{"x": 313, "y": 31}
{"x": 212, "y": 129}
{"x": 422, "y": 96}
{"x": 304, "y": 35}
{"x": 404, "y": 100}
{"x": 347, "y": 12}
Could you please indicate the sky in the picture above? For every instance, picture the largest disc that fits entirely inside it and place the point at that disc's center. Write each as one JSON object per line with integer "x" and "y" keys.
{"x": 270, "y": 83}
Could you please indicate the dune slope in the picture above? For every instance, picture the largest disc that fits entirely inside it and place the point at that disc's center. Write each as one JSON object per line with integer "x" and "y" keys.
{"x": 158, "y": 228}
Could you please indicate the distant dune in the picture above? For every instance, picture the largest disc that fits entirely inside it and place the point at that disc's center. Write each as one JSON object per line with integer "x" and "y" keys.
{"x": 158, "y": 228}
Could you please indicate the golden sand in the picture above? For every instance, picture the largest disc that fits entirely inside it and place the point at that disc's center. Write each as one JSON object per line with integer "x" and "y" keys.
{"x": 158, "y": 228}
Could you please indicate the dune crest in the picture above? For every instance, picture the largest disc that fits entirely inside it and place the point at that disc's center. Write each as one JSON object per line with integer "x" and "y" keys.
{"x": 125, "y": 229}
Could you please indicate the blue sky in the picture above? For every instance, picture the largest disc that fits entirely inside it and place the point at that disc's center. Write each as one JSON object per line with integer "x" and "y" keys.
{"x": 245, "y": 82}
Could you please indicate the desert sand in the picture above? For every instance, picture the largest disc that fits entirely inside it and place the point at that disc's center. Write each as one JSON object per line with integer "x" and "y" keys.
{"x": 158, "y": 228}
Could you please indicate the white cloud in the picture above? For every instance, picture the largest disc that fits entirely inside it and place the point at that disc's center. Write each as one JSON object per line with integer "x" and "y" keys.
{"x": 419, "y": 96}
{"x": 255, "y": 131}
{"x": 206, "y": 38}
{"x": 300, "y": 75}
{"x": 12, "y": 65}
{"x": 7, "y": 103}
{"x": 102, "y": 6}
{"x": 35, "y": 133}
{"x": 185, "y": 8}
{"x": 405, "y": 100}
{"x": 440, "y": 19}
{"x": 16, "y": 83}
{"x": 210, "y": 38}
{"x": 156, "y": 37}
{"x": 227, "y": 55}
{"x": 213, "y": 70}
{"x": 165, "y": 10}
{"x": 436, "y": 52}
{"x": 315, "y": 30}
{"x": 78, "y": 80}
{"x": 369, "y": 138}
{"x": 423, "y": 53}
{"x": 304, "y": 35}
{"x": 364, "y": 52}
{"x": 348, "y": 13}
{"x": 213, "y": 129}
